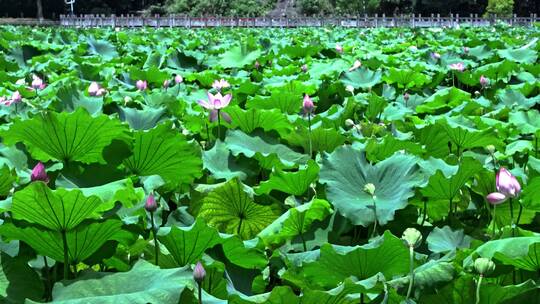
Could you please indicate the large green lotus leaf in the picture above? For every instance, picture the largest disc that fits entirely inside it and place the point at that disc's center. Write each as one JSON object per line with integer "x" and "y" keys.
{"x": 528, "y": 122}
{"x": 221, "y": 163}
{"x": 406, "y": 78}
{"x": 386, "y": 255}
{"x": 445, "y": 239}
{"x": 322, "y": 139}
{"x": 521, "y": 55}
{"x": 464, "y": 135}
{"x": 514, "y": 99}
{"x": 462, "y": 290}
{"x": 71, "y": 98}
{"x": 379, "y": 150}
{"x": 249, "y": 120}
{"x": 82, "y": 241}
{"x": 295, "y": 222}
{"x": 66, "y": 136}
{"x": 278, "y": 295}
{"x": 530, "y": 197}
{"x": 441, "y": 187}
{"x": 286, "y": 97}
{"x": 21, "y": 54}
{"x": 346, "y": 172}
{"x": 144, "y": 283}
{"x": 446, "y": 98}
{"x": 184, "y": 60}
{"x": 361, "y": 78}
{"x": 102, "y": 48}
{"x": 232, "y": 210}
{"x": 118, "y": 191}
{"x": 481, "y": 52}
{"x": 238, "y": 57}
{"x": 319, "y": 69}
{"x": 187, "y": 245}
{"x": 254, "y": 146}
{"x": 426, "y": 275}
{"x": 144, "y": 119}
{"x": 18, "y": 281}
{"x": 6, "y": 180}
{"x": 58, "y": 210}
{"x": 295, "y": 183}
{"x": 521, "y": 252}
{"x": 165, "y": 152}
{"x": 496, "y": 71}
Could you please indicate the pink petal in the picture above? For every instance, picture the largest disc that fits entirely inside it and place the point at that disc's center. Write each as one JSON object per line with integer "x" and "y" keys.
{"x": 226, "y": 117}
{"x": 496, "y": 198}
{"x": 204, "y": 104}
{"x": 226, "y": 100}
{"x": 213, "y": 115}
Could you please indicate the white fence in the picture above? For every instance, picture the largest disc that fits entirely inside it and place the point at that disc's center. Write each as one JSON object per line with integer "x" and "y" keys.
{"x": 358, "y": 21}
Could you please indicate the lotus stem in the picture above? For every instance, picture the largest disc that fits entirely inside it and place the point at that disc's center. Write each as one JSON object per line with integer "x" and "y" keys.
{"x": 66, "y": 254}
{"x": 411, "y": 272}
{"x": 219, "y": 124}
{"x": 535, "y": 146}
{"x": 207, "y": 135}
{"x": 425, "y": 213}
{"x": 519, "y": 214}
{"x": 478, "y": 285}
{"x": 200, "y": 292}
{"x": 375, "y": 222}
{"x": 512, "y": 216}
{"x": 303, "y": 242}
{"x": 309, "y": 136}
{"x": 494, "y": 219}
{"x": 156, "y": 244}
{"x": 48, "y": 282}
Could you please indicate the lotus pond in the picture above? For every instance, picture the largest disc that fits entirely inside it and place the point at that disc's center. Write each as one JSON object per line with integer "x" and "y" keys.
{"x": 270, "y": 165}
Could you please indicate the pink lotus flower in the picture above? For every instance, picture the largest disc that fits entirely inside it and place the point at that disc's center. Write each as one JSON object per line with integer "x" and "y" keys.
{"x": 150, "y": 204}
{"x": 507, "y": 187}
{"x": 307, "y": 105}
{"x": 435, "y": 56}
{"x": 199, "y": 273}
{"x": 178, "y": 79}
{"x": 304, "y": 68}
{"x": 220, "y": 84}
{"x": 484, "y": 82}
{"x": 96, "y": 90}
{"x": 141, "y": 85}
{"x": 339, "y": 48}
{"x": 39, "y": 173}
{"x": 460, "y": 67}
{"x": 215, "y": 103}
{"x": 16, "y": 97}
{"x": 355, "y": 66}
{"x": 38, "y": 83}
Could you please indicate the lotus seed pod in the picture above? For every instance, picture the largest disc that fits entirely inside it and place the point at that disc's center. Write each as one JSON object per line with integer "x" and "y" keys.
{"x": 490, "y": 149}
{"x": 412, "y": 237}
{"x": 484, "y": 266}
{"x": 370, "y": 189}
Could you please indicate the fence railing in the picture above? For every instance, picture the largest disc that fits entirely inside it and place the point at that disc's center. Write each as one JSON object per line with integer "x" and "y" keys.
{"x": 433, "y": 20}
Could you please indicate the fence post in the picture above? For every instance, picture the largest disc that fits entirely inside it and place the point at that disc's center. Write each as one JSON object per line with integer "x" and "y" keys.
{"x": 457, "y": 20}
{"x": 413, "y": 20}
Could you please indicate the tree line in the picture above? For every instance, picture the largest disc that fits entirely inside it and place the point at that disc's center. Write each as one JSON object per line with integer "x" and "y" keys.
{"x": 53, "y": 8}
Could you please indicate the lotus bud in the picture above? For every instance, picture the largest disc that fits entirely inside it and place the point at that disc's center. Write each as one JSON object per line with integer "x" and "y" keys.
{"x": 127, "y": 100}
{"x": 349, "y": 123}
{"x": 412, "y": 237}
{"x": 304, "y": 68}
{"x": 465, "y": 50}
{"x": 37, "y": 83}
{"x": 199, "y": 273}
{"x": 369, "y": 188}
{"x": 339, "y": 48}
{"x": 93, "y": 89}
{"x": 491, "y": 149}
{"x": 257, "y": 64}
{"x": 178, "y": 79}
{"x": 150, "y": 205}
{"x": 166, "y": 83}
{"x": 484, "y": 266}
{"x": 141, "y": 85}
{"x": 357, "y": 64}
{"x": 350, "y": 88}
{"x": 39, "y": 173}
{"x": 406, "y": 96}
{"x": 16, "y": 97}
{"x": 507, "y": 184}
{"x": 307, "y": 105}
{"x": 477, "y": 93}
{"x": 496, "y": 198}
{"x": 484, "y": 82}
{"x": 435, "y": 56}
